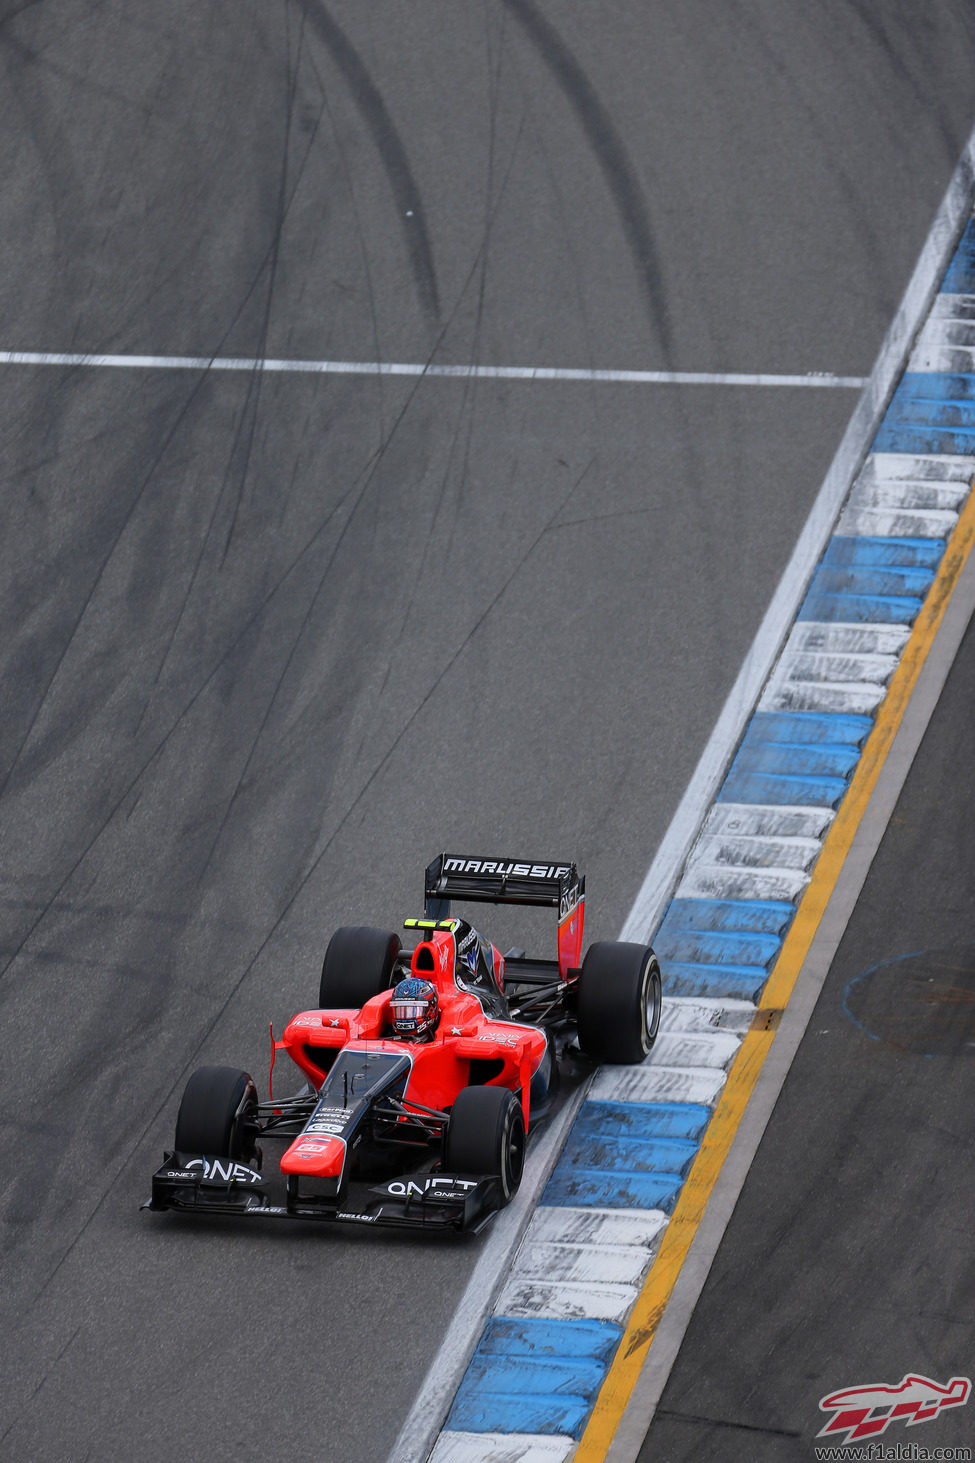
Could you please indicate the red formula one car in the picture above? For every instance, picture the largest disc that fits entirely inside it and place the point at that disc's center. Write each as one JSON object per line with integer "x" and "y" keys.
{"x": 425, "y": 1069}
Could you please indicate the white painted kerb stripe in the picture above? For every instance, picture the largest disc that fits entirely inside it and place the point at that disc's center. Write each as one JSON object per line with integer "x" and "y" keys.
{"x": 410, "y": 368}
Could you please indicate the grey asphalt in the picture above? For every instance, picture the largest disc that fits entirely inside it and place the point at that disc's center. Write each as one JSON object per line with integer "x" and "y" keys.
{"x": 847, "y": 1261}
{"x": 269, "y": 644}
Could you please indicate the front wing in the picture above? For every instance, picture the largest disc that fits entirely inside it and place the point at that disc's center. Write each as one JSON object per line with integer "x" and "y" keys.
{"x": 200, "y": 1184}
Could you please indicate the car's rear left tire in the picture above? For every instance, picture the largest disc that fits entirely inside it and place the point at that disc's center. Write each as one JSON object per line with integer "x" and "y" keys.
{"x": 358, "y": 965}
{"x": 620, "y": 1000}
{"x": 218, "y": 1113}
{"x": 486, "y": 1137}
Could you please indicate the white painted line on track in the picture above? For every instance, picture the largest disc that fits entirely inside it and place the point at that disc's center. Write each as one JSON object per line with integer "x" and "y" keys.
{"x": 661, "y": 878}
{"x": 410, "y": 368}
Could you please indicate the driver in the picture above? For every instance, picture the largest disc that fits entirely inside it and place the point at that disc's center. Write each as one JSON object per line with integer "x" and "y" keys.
{"x": 414, "y": 1007}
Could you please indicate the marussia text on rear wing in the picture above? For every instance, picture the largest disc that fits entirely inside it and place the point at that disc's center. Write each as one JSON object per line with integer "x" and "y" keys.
{"x": 502, "y": 881}
{"x": 512, "y": 881}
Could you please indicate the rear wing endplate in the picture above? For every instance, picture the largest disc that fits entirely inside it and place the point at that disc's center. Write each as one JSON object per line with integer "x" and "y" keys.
{"x": 512, "y": 881}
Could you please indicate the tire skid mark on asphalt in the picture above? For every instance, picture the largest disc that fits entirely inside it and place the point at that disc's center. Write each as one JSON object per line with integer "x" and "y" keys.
{"x": 611, "y": 154}
{"x": 389, "y": 145}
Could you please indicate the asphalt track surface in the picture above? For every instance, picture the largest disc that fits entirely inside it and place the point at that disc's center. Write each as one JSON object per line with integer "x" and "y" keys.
{"x": 847, "y": 1261}
{"x": 269, "y": 644}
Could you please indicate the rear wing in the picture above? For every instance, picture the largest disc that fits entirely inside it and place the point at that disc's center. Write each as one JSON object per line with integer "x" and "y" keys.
{"x": 512, "y": 881}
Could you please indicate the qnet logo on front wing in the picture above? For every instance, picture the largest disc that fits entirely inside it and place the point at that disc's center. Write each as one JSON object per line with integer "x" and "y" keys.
{"x": 866, "y": 1412}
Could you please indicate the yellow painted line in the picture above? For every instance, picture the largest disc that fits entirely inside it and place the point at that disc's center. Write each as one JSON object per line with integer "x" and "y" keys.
{"x": 646, "y": 1314}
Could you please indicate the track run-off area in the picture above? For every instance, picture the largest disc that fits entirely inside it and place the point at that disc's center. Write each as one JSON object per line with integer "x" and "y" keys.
{"x": 410, "y": 416}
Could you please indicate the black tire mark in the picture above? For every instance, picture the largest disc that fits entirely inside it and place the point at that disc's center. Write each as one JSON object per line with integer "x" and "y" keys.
{"x": 48, "y": 1371}
{"x": 243, "y": 444}
{"x": 127, "y": 516}
{"x": 876, "y": 29}
{"x": 375, "y": 113}
{"x": 594, "y": 395}
{"x": 478, "y": 267}
{"x": 360, "y": 233}
{"x": 357, "y": 492}
{"x": 57, "y": 170}
{"x": 360, "y": 491}
{"x": 255, "y": 380}
{"x": 611, "y": 154}
{"x": 871, "y": 230}
{"x": 63, "y": 186}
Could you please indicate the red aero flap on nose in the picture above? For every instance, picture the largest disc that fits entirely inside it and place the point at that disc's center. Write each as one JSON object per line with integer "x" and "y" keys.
{"x": 322, "y": 1157}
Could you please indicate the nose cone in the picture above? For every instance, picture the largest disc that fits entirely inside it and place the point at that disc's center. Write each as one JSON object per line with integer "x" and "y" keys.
{"x": 322, "y": 1157}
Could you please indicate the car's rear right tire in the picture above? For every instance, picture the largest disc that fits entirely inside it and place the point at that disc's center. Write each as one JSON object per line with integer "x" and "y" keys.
{"x": 486, "y": 1137}
{"x": 358, "y": 965}
{"x": 620, "y": 999}
{"x": 218, "y": 1113}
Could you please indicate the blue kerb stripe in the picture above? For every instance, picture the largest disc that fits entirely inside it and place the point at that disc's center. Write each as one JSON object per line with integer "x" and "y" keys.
{"x": 960, "y": 278}
{"x": 796, "y": 759}
{"x": 800, "y": 758}
{"x": 533, "y": 1375}
{"x": 660, "y": 1119}
{"x": 809, "y": 727}
{"x": 862, "y": 579}
{"x": 533, "y": 1336}
{"x": 915, "y": 553}
{"x": 721, "y": 946}
{"x": 782, "y": 789}
{"x": 925, "y": 441}
{"x": 924, "y": 411}
{"x": 757, "y": 916}
{"x": 929, "y": 391}
{"x": 930, "y": 413}
{"x": 860, "y": 609}
{"x": 614, "y": 1155}
{"x": 594, "y": 1188}
{"x": 645, "y": 1143}
{"x": 575, "y": 1377}
{"x": 715, "y": 982}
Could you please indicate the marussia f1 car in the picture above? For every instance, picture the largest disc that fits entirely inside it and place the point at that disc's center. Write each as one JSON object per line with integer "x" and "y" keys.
{"x": 436, "y": 1061}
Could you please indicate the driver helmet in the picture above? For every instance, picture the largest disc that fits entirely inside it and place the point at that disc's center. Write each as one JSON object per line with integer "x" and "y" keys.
{"x": 414, "y": 1008}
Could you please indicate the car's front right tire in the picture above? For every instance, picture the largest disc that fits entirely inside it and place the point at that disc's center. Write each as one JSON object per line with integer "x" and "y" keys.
{"x": 358, "y": 965}
{"x": 217, "y": 1115}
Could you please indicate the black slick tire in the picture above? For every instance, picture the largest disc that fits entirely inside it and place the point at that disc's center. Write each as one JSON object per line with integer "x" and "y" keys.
{"x": 486, "y": 1137}
{"x": 620, "y": 998}
{"x": 358, "y": 965}
{"x": 218, "y": 1113}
